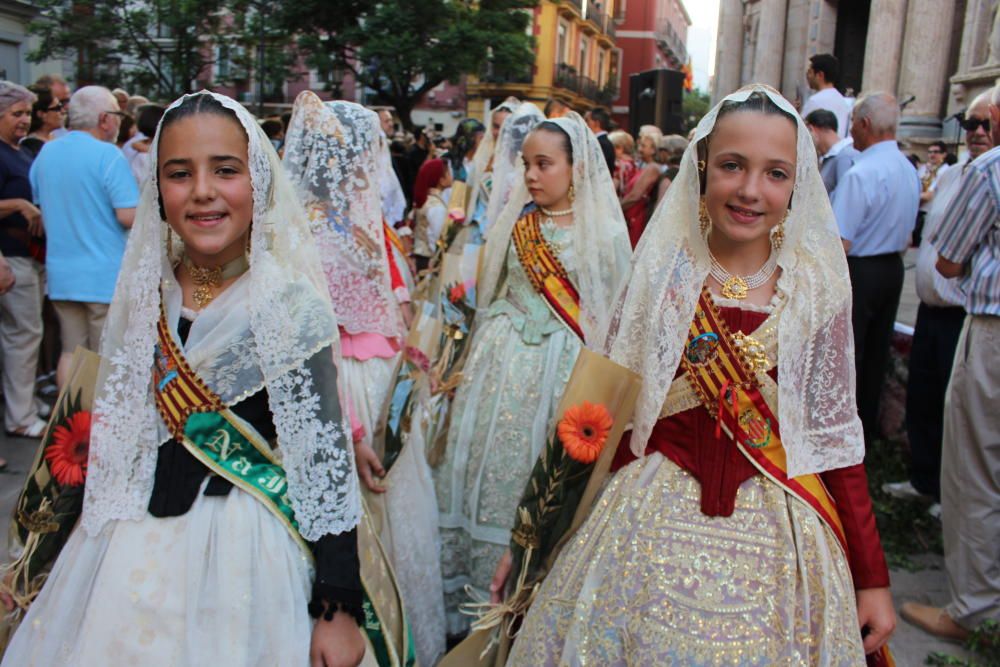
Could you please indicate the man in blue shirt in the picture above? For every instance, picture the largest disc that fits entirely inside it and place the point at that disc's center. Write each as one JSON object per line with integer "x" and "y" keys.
{"x": 87, "y": 194}
{"x": 875, "y": 205}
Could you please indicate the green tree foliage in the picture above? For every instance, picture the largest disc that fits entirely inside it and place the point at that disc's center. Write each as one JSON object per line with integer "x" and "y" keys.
{"x": 153, "y": 46}
{"x": 695, "y": 105}
{"x": 401, "y": 49}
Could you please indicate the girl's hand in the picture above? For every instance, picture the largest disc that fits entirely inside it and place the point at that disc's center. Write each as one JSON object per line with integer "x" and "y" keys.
{"x": 877, "y": 615}
{"x": 369, "y": 467}
{"x": 500, "y": 576}
{"x": 336, "y": 643}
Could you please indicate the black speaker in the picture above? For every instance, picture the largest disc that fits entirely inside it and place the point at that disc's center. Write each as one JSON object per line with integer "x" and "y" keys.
{"x": 655, "y": 98}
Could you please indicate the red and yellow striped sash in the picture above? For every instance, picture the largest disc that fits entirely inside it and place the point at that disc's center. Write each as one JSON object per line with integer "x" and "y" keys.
{"x": 179, "y": 392}
{"x": 720, "y": 374}
{"x": 546, "y": 273}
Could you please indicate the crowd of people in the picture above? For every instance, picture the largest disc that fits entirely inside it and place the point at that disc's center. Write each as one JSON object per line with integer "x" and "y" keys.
{"x": 383, "y": 326}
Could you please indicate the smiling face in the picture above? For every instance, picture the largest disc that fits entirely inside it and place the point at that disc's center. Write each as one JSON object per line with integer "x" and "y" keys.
{"x": 750, "y": 174}
{"x": 14, "y": 122}
{"x": 548, "y": 172}
{"x": 205, "y": 186}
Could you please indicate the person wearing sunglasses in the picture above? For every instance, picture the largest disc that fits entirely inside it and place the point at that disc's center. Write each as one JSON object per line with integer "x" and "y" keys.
{"x": 47, "y": 115}
{"x": 968, "y": 245}
{"x": 939, "y": 323}
{"x": 929, "y": 172}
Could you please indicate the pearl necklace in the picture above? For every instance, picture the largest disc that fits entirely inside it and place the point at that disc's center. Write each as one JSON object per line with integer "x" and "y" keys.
{"x": 555, "y": 214}
{"x": 737, "y": 287}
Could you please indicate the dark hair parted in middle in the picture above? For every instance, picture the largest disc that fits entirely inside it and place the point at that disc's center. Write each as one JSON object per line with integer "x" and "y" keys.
{"x": 567, "y": 143}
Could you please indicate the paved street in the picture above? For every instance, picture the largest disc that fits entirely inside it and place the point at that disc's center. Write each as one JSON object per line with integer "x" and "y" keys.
{"x": 927, "y": 585}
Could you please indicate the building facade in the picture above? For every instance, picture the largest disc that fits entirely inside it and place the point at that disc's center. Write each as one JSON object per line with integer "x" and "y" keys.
{"x": 652, "y": 34}
{"x": 576, "y": 60}
{"x": 906, "y": 47}
{"x": 16, "y": 44}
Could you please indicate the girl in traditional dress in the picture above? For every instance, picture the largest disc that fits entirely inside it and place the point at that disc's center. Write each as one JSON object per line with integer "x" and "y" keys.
{"x": 529, "y": 332}
{"x": 482, "y": 162}
{"x": 332, "y": 152}
{"x": 737, "y": 528}
{"x": 219, "y": 370}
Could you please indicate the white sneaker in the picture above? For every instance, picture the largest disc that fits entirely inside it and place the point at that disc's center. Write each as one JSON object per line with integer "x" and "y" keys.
{"x": 904, "y": 491}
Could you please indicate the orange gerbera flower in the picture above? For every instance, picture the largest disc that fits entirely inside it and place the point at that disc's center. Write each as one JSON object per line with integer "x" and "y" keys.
{"x": 67, "y": 454}
{"x": 583, "y": 430}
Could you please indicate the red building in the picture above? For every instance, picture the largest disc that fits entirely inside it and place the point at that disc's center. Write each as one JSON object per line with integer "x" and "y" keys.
{"x": 651, "y": 34}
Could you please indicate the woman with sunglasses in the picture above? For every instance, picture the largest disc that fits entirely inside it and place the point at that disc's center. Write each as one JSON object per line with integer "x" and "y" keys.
{"x": 47, "y": 115}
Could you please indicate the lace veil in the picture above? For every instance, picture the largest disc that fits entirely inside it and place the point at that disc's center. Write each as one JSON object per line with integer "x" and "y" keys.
{"x": 270, "y": 329}
{"x": 333, "y": 153}
{"x": 816, "y": 396}
{"x": 484, "y": 153}
{"x": 507, "y": 169}
{"x": 599, "y": 242}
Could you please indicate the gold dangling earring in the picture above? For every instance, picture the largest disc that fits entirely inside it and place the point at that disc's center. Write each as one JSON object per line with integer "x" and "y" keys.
{"x": 778, "y": 233}
{"x": 249, "y": 245}
{"x": 572, "y": 193}
{"x": 704, "y": 222}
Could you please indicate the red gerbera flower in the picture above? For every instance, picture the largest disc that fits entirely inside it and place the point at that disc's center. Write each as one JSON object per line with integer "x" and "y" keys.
{"x": 457, "y": 293}
{"x": 67, "y": 454}
{"x": 583, "y": 431}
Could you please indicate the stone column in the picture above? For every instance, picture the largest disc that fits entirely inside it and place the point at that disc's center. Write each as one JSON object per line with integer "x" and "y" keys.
{"x": 770, "y": 47}
{"x": 883, "y": 45}
{"x": 729, "y": 52}
{"x": 923, "y": 73}
{"x": 793, "y": 74}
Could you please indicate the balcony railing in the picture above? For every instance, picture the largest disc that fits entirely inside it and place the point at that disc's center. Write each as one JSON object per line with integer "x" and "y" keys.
{"x": 569, "y": 79}
{"x": 671, "y": 42}
{"x": 604, "y": 21}
{"x": 607, "y": 95}
{"x": 488, "y": 74}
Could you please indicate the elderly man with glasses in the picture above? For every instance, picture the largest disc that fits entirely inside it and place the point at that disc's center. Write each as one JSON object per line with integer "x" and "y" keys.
{"x": 939, "y": 323}
{"x": 87, "y": 195}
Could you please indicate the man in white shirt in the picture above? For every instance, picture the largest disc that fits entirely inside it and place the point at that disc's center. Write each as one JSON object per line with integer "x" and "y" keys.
{"x": 939, "y": 323}
{"x": 822, "y": 76}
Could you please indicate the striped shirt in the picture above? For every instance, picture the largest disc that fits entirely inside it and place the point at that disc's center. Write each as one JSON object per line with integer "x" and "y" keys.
{"x": 970, "y": 234}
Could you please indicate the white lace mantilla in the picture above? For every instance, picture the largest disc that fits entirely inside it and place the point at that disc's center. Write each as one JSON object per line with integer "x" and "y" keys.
{"x": 333, "y": 154}
{"x": 599, "y": 240}
{"x": 272, "y": 328}
{"x": 816, "y": 377}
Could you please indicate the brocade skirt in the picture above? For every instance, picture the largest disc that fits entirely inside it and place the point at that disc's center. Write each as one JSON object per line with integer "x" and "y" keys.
{"x": 650, "y": 580}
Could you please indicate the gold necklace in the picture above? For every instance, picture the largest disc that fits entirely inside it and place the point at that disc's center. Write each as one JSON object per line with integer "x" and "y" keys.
{"x": 208, "y": 278}
{"x": 737, "y": 287}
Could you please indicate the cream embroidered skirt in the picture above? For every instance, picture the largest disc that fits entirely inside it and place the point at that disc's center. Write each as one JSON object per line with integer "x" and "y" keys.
{"x": 650, "y": 580}
{"x": 224, "y": 584}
